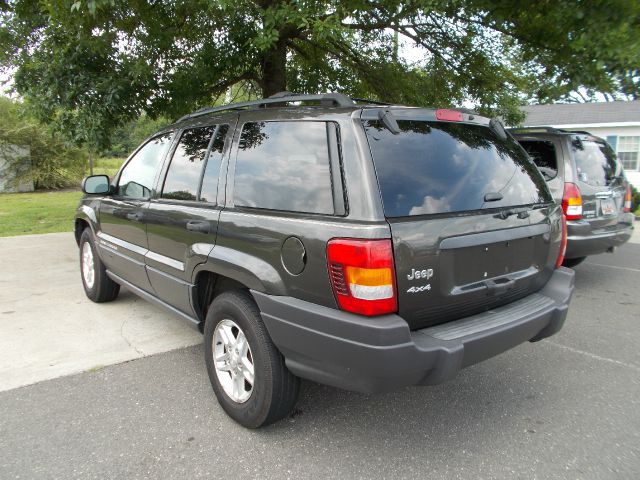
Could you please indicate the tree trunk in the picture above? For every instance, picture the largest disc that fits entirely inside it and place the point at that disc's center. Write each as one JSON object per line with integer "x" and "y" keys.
{"x": 274, "y": 65}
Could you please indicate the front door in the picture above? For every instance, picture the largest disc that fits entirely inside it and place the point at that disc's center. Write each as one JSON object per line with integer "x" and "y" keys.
{"x": 122, "y": 237}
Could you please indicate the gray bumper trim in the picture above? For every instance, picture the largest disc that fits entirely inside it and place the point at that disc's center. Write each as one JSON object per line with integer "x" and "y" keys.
{"x": 381, "y": 353}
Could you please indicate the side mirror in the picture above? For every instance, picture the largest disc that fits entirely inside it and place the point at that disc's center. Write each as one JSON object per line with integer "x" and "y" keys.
{"x": 96, "y": 184}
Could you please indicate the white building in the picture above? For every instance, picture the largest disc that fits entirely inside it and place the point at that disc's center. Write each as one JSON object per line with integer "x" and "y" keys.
{"x": 617, "y": 122}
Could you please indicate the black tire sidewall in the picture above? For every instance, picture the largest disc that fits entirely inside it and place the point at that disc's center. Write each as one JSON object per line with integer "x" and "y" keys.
{"x": 255, "y": 410}
{"x": 92, "y": 292}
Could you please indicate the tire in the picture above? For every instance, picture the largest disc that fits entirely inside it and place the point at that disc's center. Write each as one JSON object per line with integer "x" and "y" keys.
{"x": 572, "y": 262}
{"x": 275, "y": 389}
{"x": 101, "y": 288}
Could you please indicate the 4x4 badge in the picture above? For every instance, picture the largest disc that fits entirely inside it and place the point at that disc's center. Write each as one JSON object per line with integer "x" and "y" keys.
{"x": 423, "y": 288}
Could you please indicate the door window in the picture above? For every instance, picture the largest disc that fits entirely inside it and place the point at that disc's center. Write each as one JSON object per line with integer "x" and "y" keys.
{"x": 136, "y": 179}
{"x": 183, "y": 177}
{"x": 284, "y": 166}
{"x": 212, "y": 170}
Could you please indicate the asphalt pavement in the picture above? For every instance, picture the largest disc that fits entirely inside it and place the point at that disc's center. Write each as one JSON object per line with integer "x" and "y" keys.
{"x": 567, "y": 407}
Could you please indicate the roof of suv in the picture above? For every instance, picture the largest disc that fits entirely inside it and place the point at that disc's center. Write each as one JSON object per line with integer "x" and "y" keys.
{"x": 324, "y": 100}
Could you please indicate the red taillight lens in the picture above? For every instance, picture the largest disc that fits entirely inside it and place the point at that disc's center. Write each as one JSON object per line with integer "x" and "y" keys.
{"x": 448, "y": 115}
{"x": 362, "y": 275}
{"x": 627, "y": 200}
{"x": 563, "y": 243}
{"x": 572, "y": 202}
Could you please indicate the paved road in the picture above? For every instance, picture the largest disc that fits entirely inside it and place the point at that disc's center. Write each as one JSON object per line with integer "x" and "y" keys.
{"x": 567, "y": 407}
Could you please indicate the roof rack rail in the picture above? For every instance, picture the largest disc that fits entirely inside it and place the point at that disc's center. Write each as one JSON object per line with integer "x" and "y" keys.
{"x": 534, "y": 129}
{"x": 581, "y": 132}
{"x": 328, "y": 99}
{"x": 369, "y": 101}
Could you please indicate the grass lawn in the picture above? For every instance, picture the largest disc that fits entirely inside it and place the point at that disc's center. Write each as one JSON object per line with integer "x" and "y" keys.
{"x": 41, "y": 212}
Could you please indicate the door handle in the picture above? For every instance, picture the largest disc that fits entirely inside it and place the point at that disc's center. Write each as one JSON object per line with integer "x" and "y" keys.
{"x": 503, "y": 285}
{"x": 199, "y": 226}
{"x": 134, "y": 216}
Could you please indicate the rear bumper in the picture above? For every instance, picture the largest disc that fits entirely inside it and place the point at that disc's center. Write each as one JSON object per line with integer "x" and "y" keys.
{"x": 583, "y": 240}
{"x": 381, "y": 353}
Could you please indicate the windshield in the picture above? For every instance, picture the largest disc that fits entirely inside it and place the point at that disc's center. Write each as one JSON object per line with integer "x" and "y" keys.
{"x": 441, "y": 167}
{"x": 595, "y": 162}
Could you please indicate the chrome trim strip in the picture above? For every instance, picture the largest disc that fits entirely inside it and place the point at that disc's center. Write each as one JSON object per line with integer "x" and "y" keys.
{"x": 165, "y": 260}
{"x": 147, "y": 254}
{"x": 111, "y": 251}
{"x": 116, "y": 241}
{"x": 168, "y": 276}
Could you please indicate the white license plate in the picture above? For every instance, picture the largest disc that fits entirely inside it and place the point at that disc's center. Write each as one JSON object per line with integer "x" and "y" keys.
{"x": 607, "y": 206}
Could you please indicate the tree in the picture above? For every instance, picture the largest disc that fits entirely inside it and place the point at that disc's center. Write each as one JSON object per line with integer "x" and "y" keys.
{"x": 49, "y": 161}
{"x": 89, "y": 65}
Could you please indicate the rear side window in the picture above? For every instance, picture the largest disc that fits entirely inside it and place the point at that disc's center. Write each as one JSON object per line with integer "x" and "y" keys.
{"x": 595, "y": 162}
{"x": 284, "y": 166}
{"x": 440, "y": 167}
{"x": 543, "y": 154}
{"x": 183, "y": 178}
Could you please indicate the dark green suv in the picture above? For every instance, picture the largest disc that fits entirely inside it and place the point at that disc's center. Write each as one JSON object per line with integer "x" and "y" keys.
{"x": 362, "y": 245}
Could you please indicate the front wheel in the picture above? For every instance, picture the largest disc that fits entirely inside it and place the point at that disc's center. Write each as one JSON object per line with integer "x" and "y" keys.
{"x": 97, "y": 285}
{"x": 246, "y": 370}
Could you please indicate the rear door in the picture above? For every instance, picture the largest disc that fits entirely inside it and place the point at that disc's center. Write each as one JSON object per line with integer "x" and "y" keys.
{"x": 472, "y": 220}
{"x": 600, "y": 180}
{"x": 182, "y": 219}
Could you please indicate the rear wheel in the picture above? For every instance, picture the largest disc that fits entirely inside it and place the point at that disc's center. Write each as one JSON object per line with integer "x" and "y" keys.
{"x": 246, "y": 370}
{"x": 572, "y": 262}
{"x": 97, "y": 285}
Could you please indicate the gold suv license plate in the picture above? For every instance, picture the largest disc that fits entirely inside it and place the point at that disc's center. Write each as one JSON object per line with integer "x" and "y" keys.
{"x": 607, "y": 206}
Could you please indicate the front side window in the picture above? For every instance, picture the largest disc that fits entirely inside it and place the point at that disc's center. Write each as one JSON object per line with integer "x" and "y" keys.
{"x": 136, "y": 179}
{"x": 628, "y": 150}
{"x": 183, "y": 177}
{"x": 284, "y": 166}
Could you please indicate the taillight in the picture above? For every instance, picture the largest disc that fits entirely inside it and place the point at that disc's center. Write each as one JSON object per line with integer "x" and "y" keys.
{"x": 563, "y": 243}
{"x": 627, "y": 200}
{"x": 448, "y": 115}
{"x": 572, "y": 202}
{"x": 362, "y": 275}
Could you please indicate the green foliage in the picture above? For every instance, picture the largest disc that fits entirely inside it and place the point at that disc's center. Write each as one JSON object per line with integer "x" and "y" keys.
{"x": 51, "y": 161}
{"x": 126, "y": 138}
{"x": 635, "y": 200}
{"x": 90, "y": 65}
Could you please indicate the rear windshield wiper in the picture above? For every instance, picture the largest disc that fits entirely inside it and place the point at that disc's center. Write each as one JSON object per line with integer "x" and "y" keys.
{"x": 521, "y": 212}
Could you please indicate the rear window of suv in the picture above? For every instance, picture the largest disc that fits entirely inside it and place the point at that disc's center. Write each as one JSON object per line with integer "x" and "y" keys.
{"x": 595, "y": 162}
{"x": 440, "y": 167}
